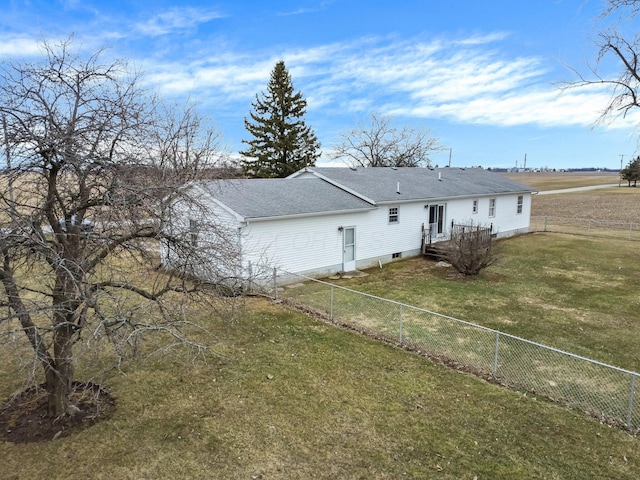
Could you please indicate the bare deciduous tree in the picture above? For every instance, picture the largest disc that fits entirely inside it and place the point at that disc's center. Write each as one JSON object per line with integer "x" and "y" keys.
{"x": 470, "y": 248}
{"x": 611, "y": 6}
{"x": 93, "y": 159}
{"x": 621, "y": 46}
{"x": 380, "y": 144}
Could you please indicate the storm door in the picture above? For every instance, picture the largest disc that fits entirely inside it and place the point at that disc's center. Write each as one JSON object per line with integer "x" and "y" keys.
{"x": 436, "y": 220}
{"x": 348, "y": 249}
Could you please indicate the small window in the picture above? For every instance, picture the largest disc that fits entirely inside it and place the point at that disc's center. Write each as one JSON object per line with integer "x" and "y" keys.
{"x": 520, "y": 203}
{"x": 475, "y": 206}
{"x": 393, "y": 215}
{"x": 396, "y": 255}
{"x": 492, "y": 207}
{"x": 193, "y": 232}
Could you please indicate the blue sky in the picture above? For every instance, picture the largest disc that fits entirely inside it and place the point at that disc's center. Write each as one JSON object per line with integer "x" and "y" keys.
{"x": 483, "y": 76}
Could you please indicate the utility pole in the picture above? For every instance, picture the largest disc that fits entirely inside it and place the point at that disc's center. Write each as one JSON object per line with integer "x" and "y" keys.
{"x": 620, "y": 175}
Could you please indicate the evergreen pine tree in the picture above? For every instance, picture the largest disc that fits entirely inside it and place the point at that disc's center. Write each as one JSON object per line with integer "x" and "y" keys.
{"x": 631, "y": 173}
{"x": 282, "y": 143}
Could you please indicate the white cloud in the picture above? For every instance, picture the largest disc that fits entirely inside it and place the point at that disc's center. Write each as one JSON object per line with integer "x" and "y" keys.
{"x": 483, "y": 38}
{"x": 11, "y": 46}
{"x": 176, "y": 19}
{"x": 468, "y": 80}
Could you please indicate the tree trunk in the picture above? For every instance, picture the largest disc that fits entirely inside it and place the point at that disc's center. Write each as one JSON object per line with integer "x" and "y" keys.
{"x": 58, "y": 381}
{"x": 65, "y": 303}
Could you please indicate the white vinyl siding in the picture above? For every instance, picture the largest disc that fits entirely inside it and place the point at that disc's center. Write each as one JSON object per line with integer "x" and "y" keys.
{"x": 313, "y": 244}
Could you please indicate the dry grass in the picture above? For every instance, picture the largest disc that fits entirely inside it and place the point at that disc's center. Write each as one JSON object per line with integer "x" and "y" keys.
{"x": 611, "y": 204}
{"x": 292, "y": 398}
{"x": 288, "y": 397}
{"x": 558, "y": 180}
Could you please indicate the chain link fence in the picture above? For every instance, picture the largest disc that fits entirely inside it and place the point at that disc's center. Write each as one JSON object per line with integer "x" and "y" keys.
{"x": 585, "y": 226}
{"x": 601, "y": 390}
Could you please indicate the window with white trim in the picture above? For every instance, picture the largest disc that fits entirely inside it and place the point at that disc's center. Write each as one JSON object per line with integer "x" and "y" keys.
{"x": 475, "y": 207}
{"x": 394, "y": 216}
{"x": 492, "y": 207}
{"x": 520, "y": 203}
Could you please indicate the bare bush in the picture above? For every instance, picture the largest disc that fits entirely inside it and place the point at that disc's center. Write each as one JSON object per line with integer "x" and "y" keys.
{"x": 470, "y": 248}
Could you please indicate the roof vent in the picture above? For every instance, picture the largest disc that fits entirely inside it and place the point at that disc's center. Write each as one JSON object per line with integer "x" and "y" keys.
{"x": 353, "y": 169}
{"x": 398, "y": 187}
{"x": 440, "y": 176}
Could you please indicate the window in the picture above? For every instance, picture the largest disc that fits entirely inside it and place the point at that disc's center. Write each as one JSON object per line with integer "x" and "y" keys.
{"x": 492, "y": 207}
{"x": 475, "y": 206}
{"x": 193, "y": 232}
{"x": 393, "y": 215}
{"x": 520, "y": 202}
{"x": 396, "y": 255}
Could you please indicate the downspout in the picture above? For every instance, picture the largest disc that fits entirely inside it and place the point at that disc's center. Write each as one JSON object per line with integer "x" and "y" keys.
{"x": 240, "y": 252}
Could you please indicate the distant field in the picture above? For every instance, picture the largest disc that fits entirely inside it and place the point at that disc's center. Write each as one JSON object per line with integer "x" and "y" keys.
{"x": 608, "y": 204}
{"x": 557, "y": 180}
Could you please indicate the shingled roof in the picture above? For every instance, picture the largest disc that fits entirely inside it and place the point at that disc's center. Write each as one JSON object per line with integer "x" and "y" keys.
{"x": 381, "y": 184}
{"x": 264, "y": 198}
{"x": 322, "y": 191}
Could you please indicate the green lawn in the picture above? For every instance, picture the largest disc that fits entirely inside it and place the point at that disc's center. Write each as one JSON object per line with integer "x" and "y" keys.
{"x": 283, "y": 395}
{"x": 575, "y": 293}
{"x": 292, "y": 398}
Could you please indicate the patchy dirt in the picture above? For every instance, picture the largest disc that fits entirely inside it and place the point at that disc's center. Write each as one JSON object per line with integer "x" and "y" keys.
{"x": 23, "y": 417}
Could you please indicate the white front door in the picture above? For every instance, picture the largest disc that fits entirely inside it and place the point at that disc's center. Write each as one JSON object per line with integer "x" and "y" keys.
{"x": 349, "y": 249}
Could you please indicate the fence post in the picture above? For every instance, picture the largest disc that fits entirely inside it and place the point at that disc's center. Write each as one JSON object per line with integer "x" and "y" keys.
{"x": 331, "y": 303}
{"x": 275, "y": 282}
{"x": 545, "y": 223}
{"x": 400, "y": 320}
{"x": 495, "y": 355}
{"x": 630, "y": 230}
{"x": 631, "y": 394}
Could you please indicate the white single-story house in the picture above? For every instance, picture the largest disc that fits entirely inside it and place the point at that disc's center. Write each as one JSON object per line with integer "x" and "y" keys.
{"x": 320, "y": 221}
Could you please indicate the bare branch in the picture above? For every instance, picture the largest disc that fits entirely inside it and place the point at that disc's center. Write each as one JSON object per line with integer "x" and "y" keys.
{"x": 95, "y": 160}
{"x": 382, "y": 145}
{"x": 622, "y": 48}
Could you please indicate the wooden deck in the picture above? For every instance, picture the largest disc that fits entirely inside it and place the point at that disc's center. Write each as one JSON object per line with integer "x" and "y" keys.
{"x": 474, "y": 234}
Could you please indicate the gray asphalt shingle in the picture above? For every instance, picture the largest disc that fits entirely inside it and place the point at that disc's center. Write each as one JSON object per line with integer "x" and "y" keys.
{"x": 276, "y": 197}
{"x": 281, "y": 197}
{"x": 381, "y": 184}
